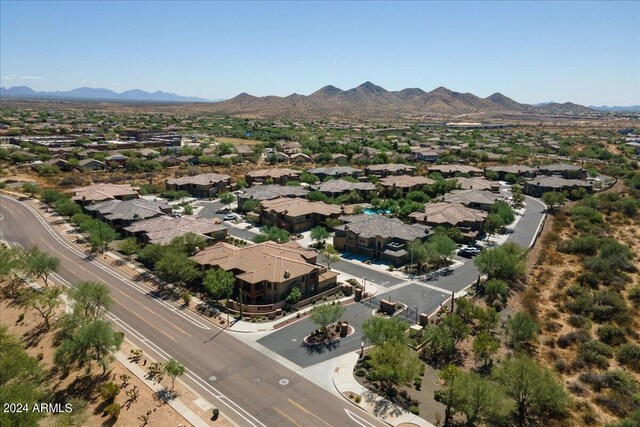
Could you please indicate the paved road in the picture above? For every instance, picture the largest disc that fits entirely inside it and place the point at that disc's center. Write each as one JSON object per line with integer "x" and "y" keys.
{"x": 426, "y": 295}
{"x": 248, "y": 387}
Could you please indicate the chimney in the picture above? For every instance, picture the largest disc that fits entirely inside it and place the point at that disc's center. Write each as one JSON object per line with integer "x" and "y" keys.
{"x": 287, "y": 274}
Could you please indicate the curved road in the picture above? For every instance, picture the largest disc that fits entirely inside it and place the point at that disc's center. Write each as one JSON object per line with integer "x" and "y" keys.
{"x": 248, "y": 387}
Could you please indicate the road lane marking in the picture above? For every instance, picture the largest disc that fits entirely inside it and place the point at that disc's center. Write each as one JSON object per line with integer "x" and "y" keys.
{"x": 291, "y": 420}
{"x": 106, "y": 268}
{"x": 305, "y": 410}
{"x": 358, "y": 420}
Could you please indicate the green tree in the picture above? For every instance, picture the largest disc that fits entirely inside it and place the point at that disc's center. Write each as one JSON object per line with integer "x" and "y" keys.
{"x": 294, "y": 296}
{"x": 272, "y": 233}
{"x": 40, "y": 264}
{"x": 456, "y": 327}
{"x": 394, "y": 364}
{"x": 227, "y": 198}
{"x": 176, "y": 267}
{"x": 534, "y": 389}
{"x": 129, "y": 246}
{"x": 94, "y": 341}
{"x": 480, "y": 400}
{"x": 443, "y": 244}
{"x": 249, "y": 206}
{"x": 44, "y": 301}
{"x": 378, "y": 331}
{"x": 11, "y": 262}
{"x": 485, "y": 345}
{"x": 492, "y": 224}
{"x": 521, "y": 328}
{"x": 319, "y": 234}
{"x": 91, "y": 299}
{"x": 504, "y": 212}
{"x": 330, "y": 255}
{"x": 554, "y": 199}
{"x": 219, "y": 283}
{"x": 22, "y": 379}
{"x": 326, "y": 314}
{"x": 440, "y": 347}
{"x": 191, "y": 242}
{"x": 174, "y": 369}
{"x": 78, "y": 417}
{"x": 505, "y": 262}
{"x": 31, "y": 188}
{"x": 187, "y": 210}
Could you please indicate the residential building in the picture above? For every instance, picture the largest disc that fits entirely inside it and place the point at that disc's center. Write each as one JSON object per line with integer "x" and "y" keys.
{"x": 404, "y": 184}
{"x": 542, "y": 184}
{"x": 90, "y": 165}
{"x": 476, "y": 199}
{"x": 120, "y": 213}
{"x": 477, "y": 183}
{"x": 335, "y": 172}
{"x": 269, "y": 192}
{"x": 377, "y": 236}
{"x": 102, "y": 192}
{"x": 116, "y": 160}
{"x": 425, "y": 154}
{"x": 297, "y": 215}
{"x": 565, "y": 170}
{"x": 276, "y": 176}
{"x": 517, "y": 170}
{"x": 266, "y": 272}
{"x": 163, "y": 230}
{"x": 338, "y": 187}
{"x": 448, "y": 171}
{"x": 204, "y": 185}
{"x": 455, "y": 215}
{"x": 168, "y": 161}
{"x": 300, "y": 158}
{"x": 389, "y": 169}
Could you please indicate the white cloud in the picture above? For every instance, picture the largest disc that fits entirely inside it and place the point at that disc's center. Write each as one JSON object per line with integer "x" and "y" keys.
{"x": 9, "y": 77}
{"x": 31, "y": 77}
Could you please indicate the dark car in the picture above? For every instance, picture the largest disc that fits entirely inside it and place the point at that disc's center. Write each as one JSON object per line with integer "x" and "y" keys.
{"x": 468, "y": 252}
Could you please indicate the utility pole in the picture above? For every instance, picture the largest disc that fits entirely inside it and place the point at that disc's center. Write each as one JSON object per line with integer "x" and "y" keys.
{"x": 364, "y": 287}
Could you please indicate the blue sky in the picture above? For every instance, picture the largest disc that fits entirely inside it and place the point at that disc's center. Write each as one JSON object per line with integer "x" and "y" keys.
{"x": 585, "y": 52}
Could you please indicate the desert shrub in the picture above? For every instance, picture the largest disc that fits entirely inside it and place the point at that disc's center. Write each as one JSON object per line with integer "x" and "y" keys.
{"x": 578, "y": 321}
{"x": 571, "y": 338}
{"x": 629, "y": 355}
{"x": 584, "y": 245}
{"x": 611, "y": 335}
{"x": 495, "y": 289}
{"x": 595, "y": 353}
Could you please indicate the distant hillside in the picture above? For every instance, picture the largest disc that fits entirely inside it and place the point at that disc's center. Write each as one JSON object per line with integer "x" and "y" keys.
{"x": 98, "y": 94}
{"x": 371, "y": 100}
{"x": 628, "y": 108}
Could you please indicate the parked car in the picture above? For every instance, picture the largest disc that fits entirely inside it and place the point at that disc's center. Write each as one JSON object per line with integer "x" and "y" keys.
{"x": 224, "y": 209}
{"x": 230, "y": 217}
{"x": 468, "y": 251}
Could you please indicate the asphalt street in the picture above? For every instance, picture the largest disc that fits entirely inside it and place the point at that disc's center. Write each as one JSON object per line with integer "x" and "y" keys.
{"x": 248, "y": 387}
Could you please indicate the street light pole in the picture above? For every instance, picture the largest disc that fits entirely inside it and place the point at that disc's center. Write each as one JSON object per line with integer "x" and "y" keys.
{"x": 364, "y": 287}
{"x": 416, "y": 307}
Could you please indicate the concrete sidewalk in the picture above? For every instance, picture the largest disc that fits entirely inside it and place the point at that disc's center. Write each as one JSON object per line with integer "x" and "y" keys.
{"x": 336, "y": 375}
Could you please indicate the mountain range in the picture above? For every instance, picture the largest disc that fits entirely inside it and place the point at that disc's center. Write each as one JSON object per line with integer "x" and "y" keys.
{"x": 371, "y": 100}
{"x": 97, "y": 94}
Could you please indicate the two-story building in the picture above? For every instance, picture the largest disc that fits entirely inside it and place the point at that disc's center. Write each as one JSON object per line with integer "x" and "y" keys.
{"x": 266, "y": 272}
{"x": 204, "y": 185}
{"x": 378, "y": 237}
{"x": 297, "y": 215}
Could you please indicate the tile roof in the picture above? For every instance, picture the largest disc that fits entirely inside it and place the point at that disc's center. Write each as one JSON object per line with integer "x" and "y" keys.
{"x": 99, "y": 192}
{"x": 296, "y": 207}
{"x": 130, "y": 209}
{"x": 273, "y": 173}
{"x": 266, "y": 261}
{"x": 368, "y": 226}
{"x": 273, "y": 191}
{"x": 477, "y": 183}
{"x": 341, "y": 186}
{"x": 448, "y": 213}
{"x": 202, "y": 179}
{"x": 390, "y": 167}
{"x": 162, "y": 230}
{"x": 454, "y": 169}
{"x": 514, "y": 169}
{"x": 559, "y": 167}
{"x": 405, "y": 181}
{"x": 335, "y": 171}
{"x": 558, "y": 182}
{"x": 473, "y": 196}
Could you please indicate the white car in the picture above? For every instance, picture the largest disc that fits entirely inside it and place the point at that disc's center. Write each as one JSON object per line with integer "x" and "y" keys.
{"x": 230, "y": 217}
